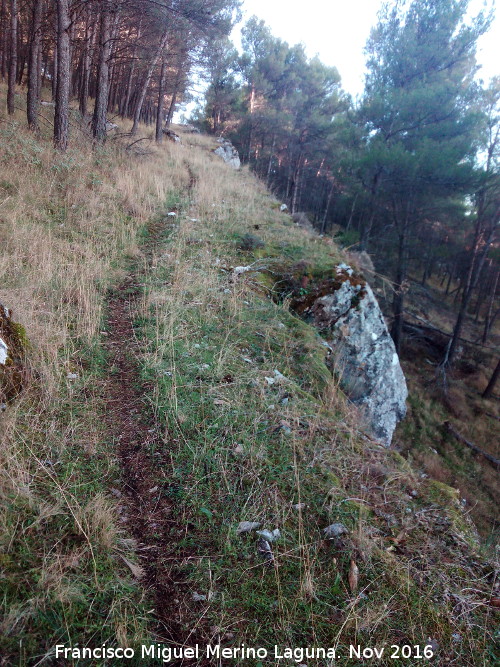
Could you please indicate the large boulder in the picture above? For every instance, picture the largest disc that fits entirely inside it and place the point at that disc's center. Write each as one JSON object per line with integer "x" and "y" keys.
{"x": 364, "y": 353}
{"x": 228, "y": 153}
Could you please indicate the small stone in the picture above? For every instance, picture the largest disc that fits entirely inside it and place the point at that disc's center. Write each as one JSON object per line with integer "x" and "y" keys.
{"x": 72, "y": 376}
{"x": 172, "y": 214}
{"x": 197, "y": 597}
{"x": 335, "y": 530}
{"x": 247, "y": 526}
{"x": 300, "y": 506}
{"x": 270, "y": 536}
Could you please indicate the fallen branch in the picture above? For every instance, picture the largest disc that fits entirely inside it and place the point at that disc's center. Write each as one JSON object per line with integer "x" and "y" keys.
{"x": 471, "y": 445}
{"x": 429, "y": 329}
{"x": 136, "y": 142}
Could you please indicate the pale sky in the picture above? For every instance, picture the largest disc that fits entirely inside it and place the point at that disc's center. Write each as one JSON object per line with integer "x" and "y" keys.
{"x": 337, "y": 31}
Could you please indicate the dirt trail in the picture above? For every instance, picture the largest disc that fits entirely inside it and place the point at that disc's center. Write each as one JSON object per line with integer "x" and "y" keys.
{"x": 148, "y": 514}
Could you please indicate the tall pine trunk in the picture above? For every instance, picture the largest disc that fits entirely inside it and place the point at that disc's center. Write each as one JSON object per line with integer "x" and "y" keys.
{"x": 159, "y": 108}
{"x": 101, "y": 99}
{"x": 13, "y": 58}
{"x": 61, "y": 116}
{"x": 147, "y": 79}
{"x": 33, "y": 92}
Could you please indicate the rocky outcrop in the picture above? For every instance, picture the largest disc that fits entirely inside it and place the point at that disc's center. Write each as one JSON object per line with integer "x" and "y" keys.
{"x": 228, "y": 153}
{"x": 363, "y": 351}
{"x": 12, "y": 344}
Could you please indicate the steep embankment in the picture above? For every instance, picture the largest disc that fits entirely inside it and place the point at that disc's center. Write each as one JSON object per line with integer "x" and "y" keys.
{"x": 198, "y": 401}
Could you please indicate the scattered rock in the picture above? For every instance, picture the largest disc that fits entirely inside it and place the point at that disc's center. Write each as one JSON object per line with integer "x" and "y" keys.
{"x": 13, "y": 344}
{"x": 335, "y": 530}
{"x": 191, "y": 129}
{"x": 264, "y": 549}
{"x": 283, "y": 208}
{"x": 300, "y": 506}
{"x": 72, "y": 376}
{"x": 247, "y": 526}
{"x": 228, "y": 153}
{"x": 172, "y": 136}
{"x": 197, "y": 597}
{"x": 4, "y": 352}
{"x": 241, "y": 269}
{"x": 270, "y": 536}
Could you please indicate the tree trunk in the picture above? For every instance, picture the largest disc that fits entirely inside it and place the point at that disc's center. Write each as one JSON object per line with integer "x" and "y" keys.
{"x": 86, "y": 64}
{"x": 489, "y": 314}
{"x": 61, "y": 116}
{"x": 296, "y": 183}
{"x": 159, "y": 109}
{"x": 149, "y": 74}
{"x": 327, "y": 207}
{"x": 473, "y": 273}
{"x": 102, "y": 92}
{"x": 3, "y": 40}
{"x": 13, "y": 58}
{"x": 33, "y": 93}
{"x": 398, "y": 301}
{"x": 493, "y": 380}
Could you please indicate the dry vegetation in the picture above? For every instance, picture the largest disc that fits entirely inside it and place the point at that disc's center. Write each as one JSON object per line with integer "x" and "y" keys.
{"x": 232, "y": 445}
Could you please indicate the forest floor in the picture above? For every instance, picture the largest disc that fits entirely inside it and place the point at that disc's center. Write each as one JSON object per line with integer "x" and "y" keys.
{"x": 171, "y": 399}
{"x": 424, "y": 436}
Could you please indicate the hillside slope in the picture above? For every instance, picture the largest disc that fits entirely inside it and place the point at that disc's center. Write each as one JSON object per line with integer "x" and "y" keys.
{"x": 166, "y": 399}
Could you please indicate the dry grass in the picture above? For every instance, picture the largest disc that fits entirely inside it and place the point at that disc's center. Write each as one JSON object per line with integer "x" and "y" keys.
{"x": 287, "y": 453}
{"x": 66, "y": 223}
{"x": 244, "y": 449}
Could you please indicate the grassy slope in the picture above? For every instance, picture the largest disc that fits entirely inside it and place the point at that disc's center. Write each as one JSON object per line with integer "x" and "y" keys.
{"x": 240, "y": 448}
{"x": 67, "y": 221}
{"x": 242, "y": 452}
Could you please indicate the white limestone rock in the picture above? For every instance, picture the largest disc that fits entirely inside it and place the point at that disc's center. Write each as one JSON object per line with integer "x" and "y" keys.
{"x": 364, "y": 355}
{"x": 228, "y": 153}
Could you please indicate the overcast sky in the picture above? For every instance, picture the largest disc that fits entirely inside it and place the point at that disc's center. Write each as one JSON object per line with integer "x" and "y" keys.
{"x": 337, "y": 31}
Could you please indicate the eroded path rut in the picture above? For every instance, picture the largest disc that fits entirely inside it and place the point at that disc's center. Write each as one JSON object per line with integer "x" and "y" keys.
{"x": 148, "y": 515}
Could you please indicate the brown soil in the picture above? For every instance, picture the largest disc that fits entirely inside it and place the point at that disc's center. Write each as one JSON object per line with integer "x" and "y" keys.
{"x": 149, "y": 514}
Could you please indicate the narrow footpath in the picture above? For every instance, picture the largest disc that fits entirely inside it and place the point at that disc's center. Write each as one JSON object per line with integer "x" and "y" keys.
{"x": 148, "y": 515}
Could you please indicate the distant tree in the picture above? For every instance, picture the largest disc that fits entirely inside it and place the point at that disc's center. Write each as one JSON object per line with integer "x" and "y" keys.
{"x": 420, "y": 139}
{"x": 486, "y": 207}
